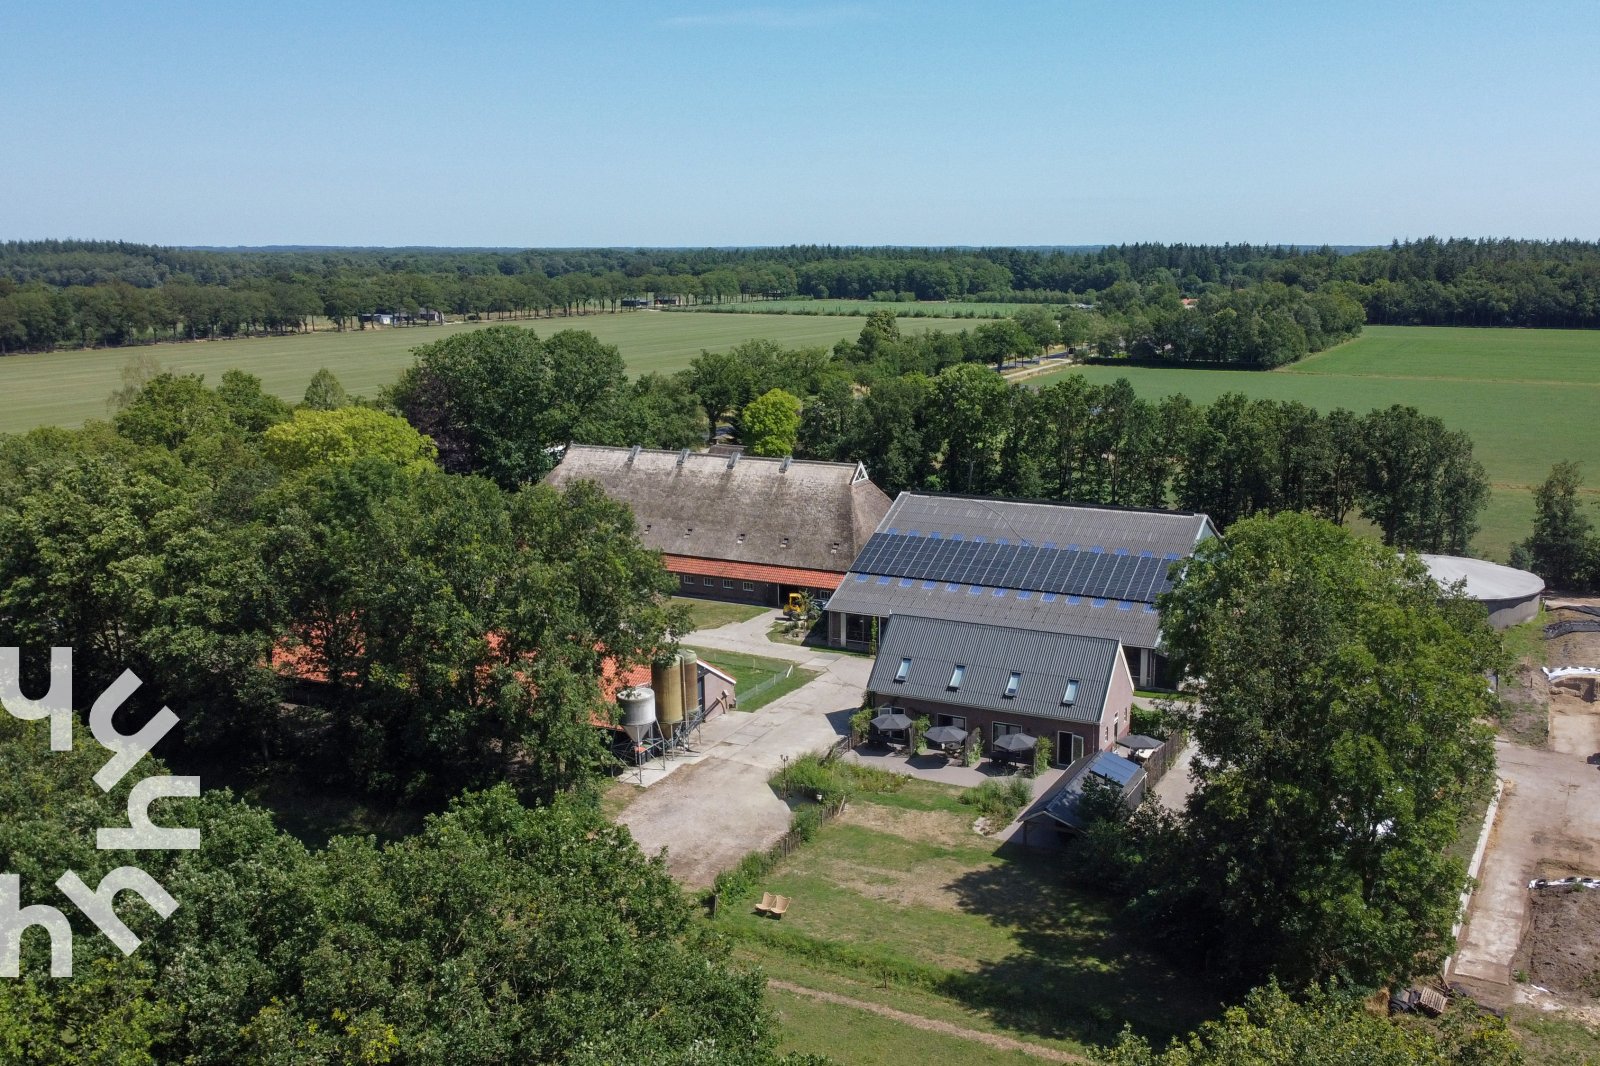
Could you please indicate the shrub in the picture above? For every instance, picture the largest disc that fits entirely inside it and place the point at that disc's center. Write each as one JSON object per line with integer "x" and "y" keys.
{"x": 999, "y": 801}
{"x": 1041, "y": 756}
{"x": 1149, "y": 721}
{"x": 861, "y": 724}
{"x": 871, "y": 779}
{"x": 810, "y": 777}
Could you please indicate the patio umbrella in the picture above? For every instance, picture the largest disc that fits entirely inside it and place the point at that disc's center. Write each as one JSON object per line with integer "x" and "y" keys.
{"x": 1139, "y": 742}
{"x": 887, "y": 723}
{"x": 1016, "y": 742}
{"x": 945, "y": 734}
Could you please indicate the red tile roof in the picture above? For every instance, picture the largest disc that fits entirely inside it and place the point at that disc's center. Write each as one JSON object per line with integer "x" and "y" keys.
{"x": 778, "y": 575}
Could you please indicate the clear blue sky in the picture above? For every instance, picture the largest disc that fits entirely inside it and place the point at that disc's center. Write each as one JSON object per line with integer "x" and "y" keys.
{"x": 707, "y": 122}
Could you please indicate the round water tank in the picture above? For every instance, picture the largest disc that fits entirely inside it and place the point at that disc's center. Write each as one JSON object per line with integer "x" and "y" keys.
{"x": 638, "y": 706}
{"x": 667, "y": 680}
{"x": 689, "y": 672}
{"x": 1511, "y": 596}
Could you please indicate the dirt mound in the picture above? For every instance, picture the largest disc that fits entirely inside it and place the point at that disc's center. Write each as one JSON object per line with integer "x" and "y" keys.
{"x": 1561, "y": 950}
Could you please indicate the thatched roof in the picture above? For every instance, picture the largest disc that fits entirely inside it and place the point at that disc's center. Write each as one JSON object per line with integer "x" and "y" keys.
{"x": 742, "y": 508}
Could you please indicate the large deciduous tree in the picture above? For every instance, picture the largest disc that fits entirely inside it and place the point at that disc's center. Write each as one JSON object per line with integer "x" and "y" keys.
{"x": 770, "y": 423}
{"x": 1341, "y": 737}
{"x": 500, "y": 402}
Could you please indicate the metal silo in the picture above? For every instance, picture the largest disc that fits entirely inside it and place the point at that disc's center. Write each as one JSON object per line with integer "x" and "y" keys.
{"x": 689, "y": 668}
{"x": 667, "y": 680}
{"x": 638, "y": 707}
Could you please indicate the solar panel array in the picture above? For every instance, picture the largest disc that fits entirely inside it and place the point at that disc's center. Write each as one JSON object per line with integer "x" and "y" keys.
{"x": 1069, "y": 571}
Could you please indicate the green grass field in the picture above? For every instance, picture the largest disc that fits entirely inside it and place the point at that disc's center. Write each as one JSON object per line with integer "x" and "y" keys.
{"x": 899, "y": 903}
{"x": 66, "y": 388}
{"x": 1525, "y": 396}
{"x": 710, "y": 614}
{"x": 919, "y": 309}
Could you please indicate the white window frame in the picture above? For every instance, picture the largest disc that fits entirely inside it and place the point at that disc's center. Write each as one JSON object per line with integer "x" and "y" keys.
{"x": 903, "y": 672}
{"x": 1013, "y": 683}
{"x": 709, "y": 582}
{"x": 749, "y": 586}
{"x": 958, "y": 677}
{"x": 727, "y": 582}
{"x": 1070, "y": 696}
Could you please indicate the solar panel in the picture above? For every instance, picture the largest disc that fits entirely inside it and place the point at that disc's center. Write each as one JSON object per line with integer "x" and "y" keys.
{"x": 1097, "y": 573}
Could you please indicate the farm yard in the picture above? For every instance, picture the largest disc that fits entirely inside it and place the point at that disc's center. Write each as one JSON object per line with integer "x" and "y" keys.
{"x": 1523, "y": 395}
{"x": 68, "y": 387}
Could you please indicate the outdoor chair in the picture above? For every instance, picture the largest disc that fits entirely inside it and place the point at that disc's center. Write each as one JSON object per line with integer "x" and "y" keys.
{"x": 779, "y": 906}
{"x": 768, "y": 901}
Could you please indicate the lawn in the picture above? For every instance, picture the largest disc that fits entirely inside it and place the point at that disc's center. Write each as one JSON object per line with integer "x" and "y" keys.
{"x": 1524, "y": 395}
{"x": 66, "y": 388}
{"x": 759, "y": 680}
{"x": 900, "y": 903}
{"x": 710, "y": 614}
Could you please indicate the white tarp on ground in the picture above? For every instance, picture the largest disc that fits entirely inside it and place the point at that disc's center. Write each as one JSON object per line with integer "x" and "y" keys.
{"x": 1558, "y": 672}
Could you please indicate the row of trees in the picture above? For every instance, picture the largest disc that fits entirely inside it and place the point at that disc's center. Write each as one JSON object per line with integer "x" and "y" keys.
{"x": 231, "y": 551}
{"x": 64, "y": 292}
{"x": 964, "y": 429}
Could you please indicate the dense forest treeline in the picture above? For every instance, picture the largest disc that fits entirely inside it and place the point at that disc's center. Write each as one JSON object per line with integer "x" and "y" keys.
{"x": 93, "y": 293}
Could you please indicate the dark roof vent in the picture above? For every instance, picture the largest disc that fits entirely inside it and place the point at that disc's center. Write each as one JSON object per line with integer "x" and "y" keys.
{"x": 682, "y": 456}
{"x": 784, "y": 469}
{"x": 733, "y": 459}
{"x": 633, "y": 452}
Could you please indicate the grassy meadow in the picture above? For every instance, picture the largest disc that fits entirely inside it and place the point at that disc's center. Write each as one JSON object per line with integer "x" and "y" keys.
{"x": 66, "y": 388}
{"x": 899, "y": 903}
{"x": 917, "y": 309}
{"x": 1525, "y": 396}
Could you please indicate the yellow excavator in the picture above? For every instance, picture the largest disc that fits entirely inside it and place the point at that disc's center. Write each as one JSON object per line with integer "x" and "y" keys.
{"x": 797, "y": 607}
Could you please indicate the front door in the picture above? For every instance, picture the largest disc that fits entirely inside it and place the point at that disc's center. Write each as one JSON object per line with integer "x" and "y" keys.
{"x": 1069, "y": 744}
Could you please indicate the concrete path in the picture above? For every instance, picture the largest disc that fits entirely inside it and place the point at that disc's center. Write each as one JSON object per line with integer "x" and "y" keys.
{"x": 1549, "y": 825}
{"x": 1175, "y": 785}
{"x": 716, "y": 806}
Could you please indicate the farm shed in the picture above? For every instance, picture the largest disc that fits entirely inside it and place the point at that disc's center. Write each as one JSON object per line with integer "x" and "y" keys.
{"x": 1511, "y": 595}
{"x": 738, "y": 527}
{"x": 1058, "y": 568}
{"x": 994, "y": 680}
{"x": 1062, "y": 807}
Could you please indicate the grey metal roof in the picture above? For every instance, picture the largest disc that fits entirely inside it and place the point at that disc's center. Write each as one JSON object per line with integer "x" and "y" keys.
{"x": 1063, "y": 806}
{"x": 1108, "y": 528}
{"x": 1137, "y": 625}
{"x": 1067, "y": 527}
{"x": 738, "y": 508}
{"x": 1045, "y": 661}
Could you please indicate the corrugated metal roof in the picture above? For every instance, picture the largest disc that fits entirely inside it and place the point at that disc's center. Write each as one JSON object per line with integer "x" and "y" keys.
{"x": 863, "y": 594}
{"x": 1059, "y": 524}
{"x": 748, "y": 509}
{"x": 1157, "y": 535}
{"x": 1046, "y": 663}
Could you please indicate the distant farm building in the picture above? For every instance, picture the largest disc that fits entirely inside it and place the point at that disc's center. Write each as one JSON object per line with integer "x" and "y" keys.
{"x": 738, "y": 527}
{"x": 1053, "y": 568}
{"x": 993, "y": 681}
{"x": 1511, "y": 596}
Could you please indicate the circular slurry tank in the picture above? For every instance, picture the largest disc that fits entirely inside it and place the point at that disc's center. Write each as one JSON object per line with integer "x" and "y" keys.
{"x": 1512, "y": 596}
